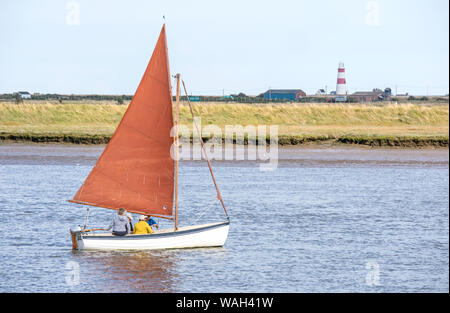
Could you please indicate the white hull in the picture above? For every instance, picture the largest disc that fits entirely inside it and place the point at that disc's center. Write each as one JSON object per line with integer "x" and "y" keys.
{"x": 207, "y": 235}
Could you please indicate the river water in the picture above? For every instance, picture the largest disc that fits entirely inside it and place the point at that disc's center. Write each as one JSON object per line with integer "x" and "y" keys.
{"x": 332, "y": 219}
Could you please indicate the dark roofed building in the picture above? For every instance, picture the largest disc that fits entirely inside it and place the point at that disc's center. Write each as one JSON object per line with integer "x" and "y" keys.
{"x": 284, "y": 94}
{"x": 366, "y": 96}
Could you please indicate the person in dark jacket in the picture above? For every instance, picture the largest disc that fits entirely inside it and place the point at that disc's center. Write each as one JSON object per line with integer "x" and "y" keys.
{"x": 151, "y": 222}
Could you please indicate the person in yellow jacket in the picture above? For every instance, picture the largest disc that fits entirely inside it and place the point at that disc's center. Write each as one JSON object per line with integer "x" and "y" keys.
{"x": 142, "y": 227}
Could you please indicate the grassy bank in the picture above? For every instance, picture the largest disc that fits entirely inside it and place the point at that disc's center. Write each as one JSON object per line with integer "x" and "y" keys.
{"x": 94, "y": 122}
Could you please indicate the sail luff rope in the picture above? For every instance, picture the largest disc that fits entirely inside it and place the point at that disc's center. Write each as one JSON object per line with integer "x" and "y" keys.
{"x": 203, "y": 213}
{"x": 219, "y": 196}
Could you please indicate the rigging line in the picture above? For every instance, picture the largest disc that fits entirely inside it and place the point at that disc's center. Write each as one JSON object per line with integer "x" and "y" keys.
{"x": 86, "y": 218}
{"x": 219, "y": 196}
{"x": 204, "y": 212}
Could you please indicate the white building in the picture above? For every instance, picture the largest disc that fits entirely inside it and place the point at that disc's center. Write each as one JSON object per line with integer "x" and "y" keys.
{"x": 24, "y": 94}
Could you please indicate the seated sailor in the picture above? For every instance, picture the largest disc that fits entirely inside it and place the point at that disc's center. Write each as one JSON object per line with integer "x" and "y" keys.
{"x": 120, "y": 224}
{"x": 142, "y": 226}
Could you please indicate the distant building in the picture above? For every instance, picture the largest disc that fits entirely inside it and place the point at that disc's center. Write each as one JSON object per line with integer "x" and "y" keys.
{"x": 340, "y": 99}
{"x": 321, "y": 92}
{"x": 370, "y": 96}
{"x": 24, "y": 94}
{"x": 194, "y": 98}
{"x": 367, "y": 96}
{"x": 387, "y": 93}
{"x": 284, "y": 94}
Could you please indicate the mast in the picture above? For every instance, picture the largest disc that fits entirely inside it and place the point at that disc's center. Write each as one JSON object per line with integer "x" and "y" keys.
{"x": 177, "y": 151}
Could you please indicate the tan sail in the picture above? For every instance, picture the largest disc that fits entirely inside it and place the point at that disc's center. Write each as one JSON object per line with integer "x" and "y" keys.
{"x": 136, "y": 171}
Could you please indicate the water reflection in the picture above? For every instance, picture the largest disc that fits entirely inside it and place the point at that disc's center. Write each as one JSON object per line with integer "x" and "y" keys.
{"x": 133, "y": 271}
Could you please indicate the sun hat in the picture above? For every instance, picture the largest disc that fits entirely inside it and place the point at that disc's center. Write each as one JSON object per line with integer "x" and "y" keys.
{"x": 129, "y": 216}
{"x": 142, "y": 218}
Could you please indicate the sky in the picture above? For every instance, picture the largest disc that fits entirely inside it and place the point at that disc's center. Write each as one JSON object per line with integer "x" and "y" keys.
{"x": 225, "y": 47}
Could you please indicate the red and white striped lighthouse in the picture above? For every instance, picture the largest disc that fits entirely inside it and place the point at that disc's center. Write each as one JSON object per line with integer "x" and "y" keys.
{"x": 341, "y": 87}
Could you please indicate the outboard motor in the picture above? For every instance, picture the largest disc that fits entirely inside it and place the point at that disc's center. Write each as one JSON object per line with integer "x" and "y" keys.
{"x": 76, "y": 236}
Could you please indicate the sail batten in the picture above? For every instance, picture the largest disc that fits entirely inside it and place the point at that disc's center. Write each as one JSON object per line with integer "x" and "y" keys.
{"x": 140, "y": 147}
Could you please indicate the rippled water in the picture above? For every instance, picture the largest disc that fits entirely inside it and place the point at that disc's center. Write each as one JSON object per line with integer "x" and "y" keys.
{"x": 326, "y": 220}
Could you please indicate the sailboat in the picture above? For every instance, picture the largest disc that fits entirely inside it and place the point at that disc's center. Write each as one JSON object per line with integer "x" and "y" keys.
{"x": 137, "y": 172}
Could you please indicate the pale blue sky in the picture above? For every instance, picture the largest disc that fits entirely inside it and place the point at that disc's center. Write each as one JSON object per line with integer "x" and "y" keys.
{"x": 103, "y": 47}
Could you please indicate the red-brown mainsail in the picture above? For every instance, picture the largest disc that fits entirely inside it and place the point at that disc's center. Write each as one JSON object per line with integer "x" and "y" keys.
{"x": 136, "y": 171}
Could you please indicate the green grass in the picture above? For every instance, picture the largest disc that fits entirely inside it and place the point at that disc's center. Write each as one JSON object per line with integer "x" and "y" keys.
{"x": 347, "y": 123}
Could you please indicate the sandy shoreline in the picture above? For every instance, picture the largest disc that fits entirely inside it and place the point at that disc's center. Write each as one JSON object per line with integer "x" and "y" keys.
{"x": 310, "y": 155}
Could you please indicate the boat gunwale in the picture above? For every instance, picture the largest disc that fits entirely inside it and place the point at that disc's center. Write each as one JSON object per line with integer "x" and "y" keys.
{"x": 169, "y": 233}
